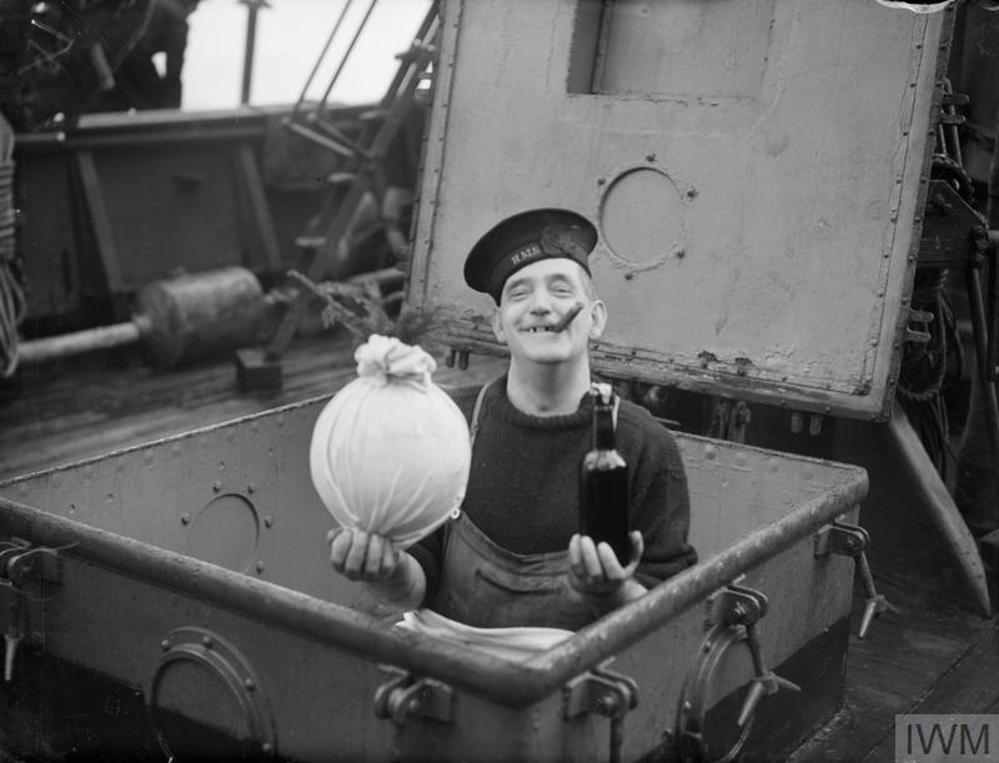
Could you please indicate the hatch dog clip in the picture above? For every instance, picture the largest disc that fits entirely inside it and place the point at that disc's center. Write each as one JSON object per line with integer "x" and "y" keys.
{"x": 852, "y": 540}
{"x": 735, "y": 612}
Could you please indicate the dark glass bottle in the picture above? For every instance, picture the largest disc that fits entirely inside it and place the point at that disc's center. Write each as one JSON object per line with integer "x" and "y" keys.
{"x": 603, "y": 483}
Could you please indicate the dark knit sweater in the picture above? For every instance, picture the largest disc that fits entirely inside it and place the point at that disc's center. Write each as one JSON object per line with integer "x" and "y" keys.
{"x": 523, "y": 489}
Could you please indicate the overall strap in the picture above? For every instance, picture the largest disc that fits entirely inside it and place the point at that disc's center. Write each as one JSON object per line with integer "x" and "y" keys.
{"x": 473, "y": 428}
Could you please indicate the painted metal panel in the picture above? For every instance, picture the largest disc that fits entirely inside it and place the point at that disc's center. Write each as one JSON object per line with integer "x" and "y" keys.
{"x": 316, "y": 666}
{"x": 239, "y": 495}
{"x": 754, "y": 170}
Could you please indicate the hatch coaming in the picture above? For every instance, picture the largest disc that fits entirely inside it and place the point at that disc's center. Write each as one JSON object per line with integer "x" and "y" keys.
{"x": 758, "y": 218}
{"x": 140, "y": 598}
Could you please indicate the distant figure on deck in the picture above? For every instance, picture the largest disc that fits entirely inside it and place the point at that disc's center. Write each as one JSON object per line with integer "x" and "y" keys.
{"x": 515, "y": 556}
{"x": 138, "y": 83}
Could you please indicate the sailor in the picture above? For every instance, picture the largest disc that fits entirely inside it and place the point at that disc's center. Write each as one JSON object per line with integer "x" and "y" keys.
{"x": 515, "y": 557}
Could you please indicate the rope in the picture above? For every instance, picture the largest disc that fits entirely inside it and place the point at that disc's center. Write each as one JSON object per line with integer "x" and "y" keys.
{"x": 13, "y": 304}
{"x": 925, "y": 367}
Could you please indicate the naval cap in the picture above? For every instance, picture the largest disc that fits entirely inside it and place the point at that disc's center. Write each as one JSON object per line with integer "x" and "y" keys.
{"x": 523, "y": 239}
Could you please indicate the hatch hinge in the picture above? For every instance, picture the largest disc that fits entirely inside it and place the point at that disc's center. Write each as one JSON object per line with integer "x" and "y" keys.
{"x": 404, "y": 696}
{"x": 734, "y": 614}
{"x": 852, "y": 540}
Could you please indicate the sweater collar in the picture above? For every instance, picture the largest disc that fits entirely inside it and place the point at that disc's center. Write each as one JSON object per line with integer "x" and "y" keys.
{"x": 499, "y": 405}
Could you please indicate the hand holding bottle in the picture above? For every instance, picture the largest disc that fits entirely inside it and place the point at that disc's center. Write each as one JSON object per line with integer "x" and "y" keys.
{"x": 595, "y": 572}
{"x": 603, "y": 479}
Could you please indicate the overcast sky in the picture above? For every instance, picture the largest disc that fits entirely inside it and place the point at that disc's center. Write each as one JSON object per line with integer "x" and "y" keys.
{"x": 290, "y": 37}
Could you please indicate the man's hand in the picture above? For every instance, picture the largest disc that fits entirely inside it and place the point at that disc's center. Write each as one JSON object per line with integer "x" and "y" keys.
{"x": 358, "y": 555}
{"x": 391, "y": 573}
{"x": 596, "y": 573}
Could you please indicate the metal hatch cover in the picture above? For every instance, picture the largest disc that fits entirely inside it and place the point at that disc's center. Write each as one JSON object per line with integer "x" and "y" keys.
{"x": 756, "y": 172}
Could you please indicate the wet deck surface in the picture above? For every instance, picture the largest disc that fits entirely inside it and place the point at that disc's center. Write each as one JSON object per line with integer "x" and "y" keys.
{"x": 63, "y": 412}
{"x": 930, "y": 657}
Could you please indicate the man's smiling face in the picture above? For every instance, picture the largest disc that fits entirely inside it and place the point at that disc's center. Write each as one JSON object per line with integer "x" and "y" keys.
{"x": 535, "y": 299}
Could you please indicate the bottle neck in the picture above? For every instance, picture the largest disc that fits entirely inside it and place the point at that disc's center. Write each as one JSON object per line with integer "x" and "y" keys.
{"x": 603, "y": 426}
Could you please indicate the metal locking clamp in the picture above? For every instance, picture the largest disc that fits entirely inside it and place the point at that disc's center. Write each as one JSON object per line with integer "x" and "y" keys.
{"x": 852, "y": 540}
{"x": 735, "y": 612}
{"x": 19, "y": 564}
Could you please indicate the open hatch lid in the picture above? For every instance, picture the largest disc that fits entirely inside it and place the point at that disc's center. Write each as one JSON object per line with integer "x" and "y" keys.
{"x": 756, "y": 172}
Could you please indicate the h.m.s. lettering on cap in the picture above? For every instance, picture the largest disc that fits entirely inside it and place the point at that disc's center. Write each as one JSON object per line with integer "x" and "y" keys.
{"x": 530, "y": 252}
{"x": 523, "y": 239}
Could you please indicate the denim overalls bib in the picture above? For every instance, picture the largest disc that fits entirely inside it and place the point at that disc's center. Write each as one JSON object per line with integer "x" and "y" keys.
{"x": 485, "y": 585}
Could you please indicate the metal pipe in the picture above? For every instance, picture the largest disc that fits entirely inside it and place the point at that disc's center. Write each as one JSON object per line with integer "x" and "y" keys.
{"x": 346, "y": 54}
{"x": 954, "y": 144}
{"x": 422, "y": 37}
{"x": 944, "y": 514}
{"x": 992, "y": 219}
{"x": 509, "y": 683}
{"x": 404, "y": 98}
{"x": 322, "y": 56}
{"x": 84, "y": 142}
{"x": 983, "y": 336}
{"x": 992, "y": 265}
{"x": 334, "y": 146}
{"x": 977, "y": 483}
{"x": 331, "y": 129}
{"x": 36, "y": 351}
{"x": 285, "y": 608}
{"x": 252, "y": 9}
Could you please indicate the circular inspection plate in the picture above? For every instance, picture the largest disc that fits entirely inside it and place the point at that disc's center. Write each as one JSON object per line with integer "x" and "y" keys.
{"x": 225, "y": 532}
{"x": 642, "y": 216}
{"x": 205, "y": 701}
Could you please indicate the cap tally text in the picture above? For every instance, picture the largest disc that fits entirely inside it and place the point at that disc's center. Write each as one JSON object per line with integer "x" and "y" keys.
{"x": 527, "y": 253}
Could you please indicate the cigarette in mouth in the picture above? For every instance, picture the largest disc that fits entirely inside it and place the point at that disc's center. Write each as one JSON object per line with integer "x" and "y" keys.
{"x": 568, "y": 318}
